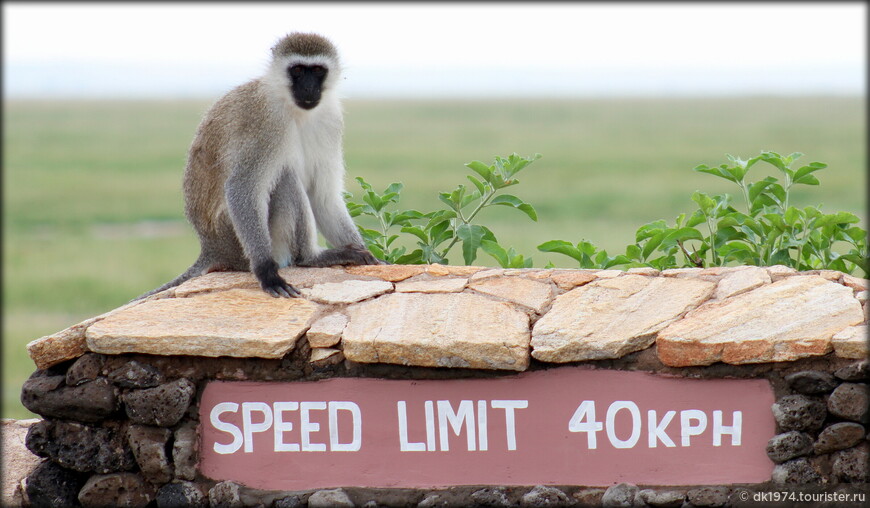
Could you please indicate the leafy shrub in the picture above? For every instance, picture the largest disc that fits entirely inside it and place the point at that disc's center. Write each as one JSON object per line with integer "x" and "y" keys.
{"x": 436, "y": 232}
{"x": 766, "y": 230}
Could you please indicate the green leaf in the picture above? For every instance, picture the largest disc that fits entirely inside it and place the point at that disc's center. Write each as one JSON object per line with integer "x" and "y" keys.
{"x": 519, "y": 204}
{"x": 496, "y": 251}
{"x": 470, "y": 235}
{"x": 720, "y": 172}
{"x": 481, "y": 169}
{"x": 681, "y": 235}
{"x": 649, "y": 229}
{"x": 481, "y": 187}
{"x": 561, "y": 247}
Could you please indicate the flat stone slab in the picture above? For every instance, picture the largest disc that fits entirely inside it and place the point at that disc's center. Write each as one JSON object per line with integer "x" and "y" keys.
{"x": 612, "y": 317}
{"x": 438, "y": 330}
{"x": 789, "y": 319}
{"x": 238, "y": 322}
{"x": 529, "y": 293}
{"x": 349, "y": 291}
{"x": 326, "y": 331}
{"x": 18, "y": 461}
{"x": 851, "y": 342}
{"x": 438, "y": 285}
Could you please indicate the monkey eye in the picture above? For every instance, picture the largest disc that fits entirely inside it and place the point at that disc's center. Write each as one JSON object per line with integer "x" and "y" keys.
{"x": 318, "y": 70}
{"x": 296, "y": 70}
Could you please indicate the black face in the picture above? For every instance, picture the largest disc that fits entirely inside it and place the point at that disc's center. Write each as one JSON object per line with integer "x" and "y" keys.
{"x": 306, "y": 84}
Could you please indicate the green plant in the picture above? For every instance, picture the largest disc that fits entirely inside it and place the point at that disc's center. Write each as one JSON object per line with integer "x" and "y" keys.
{"x": 436, "y": 232}
{"x": 768, "y": 231}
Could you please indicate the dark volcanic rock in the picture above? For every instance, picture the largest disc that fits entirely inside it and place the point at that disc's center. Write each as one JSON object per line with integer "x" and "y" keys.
{"x": 51, "y": 486}
{"x": 795, "y": 471}
{"x": 184, "y": 454}
{"x": 136, "y": 375}
{"x": 181, "y": 495}
{"x": 149, "y": 448}
{"x": 851, "y": 465}
{"x": 850, "y": 401}
{"x": 81, "y": 447}
{"x": 163, "y": 406}
{"x": 839, "y": 436}
{"x": 811, "y": 382}
{"x": 858, "y": 371}
{"x": 91, "y": 401}
{"x": 708, "y": 496}
{"x": 86, "y": 368}
{"x": 118, "y": 489}
{"x": 799, "y": 412}
{"x": 619, "y": 495}
{"x": 496, "y": 496}
{"x": 789, "y": 445}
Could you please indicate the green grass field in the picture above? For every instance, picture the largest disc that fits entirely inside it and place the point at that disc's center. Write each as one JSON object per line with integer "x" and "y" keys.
{"x": 93, "y": 206}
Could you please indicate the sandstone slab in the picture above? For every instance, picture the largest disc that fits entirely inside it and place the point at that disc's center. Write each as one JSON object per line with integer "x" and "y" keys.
{"x": 238, "y": 322}
{"x": 391, "y": 273}
{"x": 349, "y": 291}
{"x": 438, "y": 330}
{"x": 326, "y": 331}
{"x": 570, "y": 279}
{"x": 740, "y": 281}
{"x": 438, "y": 285}
{"x": 789, "y": 319}
{"x": 851, "y": 342}
{"x": 529, "y": 293}
{"x": 18, "y": 461}
{"x": 610, "y": 318}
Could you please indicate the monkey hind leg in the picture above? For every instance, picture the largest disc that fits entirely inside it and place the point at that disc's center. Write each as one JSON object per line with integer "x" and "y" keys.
{"x": 347, "y": 255}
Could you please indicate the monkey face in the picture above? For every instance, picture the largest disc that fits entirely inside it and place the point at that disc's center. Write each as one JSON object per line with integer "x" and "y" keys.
{"x": 306, "y": 84}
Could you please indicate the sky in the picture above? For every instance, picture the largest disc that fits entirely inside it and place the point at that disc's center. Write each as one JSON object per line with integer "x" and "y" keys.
{"x": 441, "y": 49}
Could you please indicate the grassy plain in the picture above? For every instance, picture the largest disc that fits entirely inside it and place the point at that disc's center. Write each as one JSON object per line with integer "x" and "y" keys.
{"x": 92, "y": 189}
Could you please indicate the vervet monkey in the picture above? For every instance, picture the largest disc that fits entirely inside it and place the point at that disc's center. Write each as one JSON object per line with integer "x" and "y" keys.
{"x": 265, "y": 172}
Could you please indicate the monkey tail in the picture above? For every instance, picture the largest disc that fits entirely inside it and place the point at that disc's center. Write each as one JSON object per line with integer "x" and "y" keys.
{"x": 196, "y": 269}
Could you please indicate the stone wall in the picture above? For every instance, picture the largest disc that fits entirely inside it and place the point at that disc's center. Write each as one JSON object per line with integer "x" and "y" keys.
{"x": 119, "y": 393}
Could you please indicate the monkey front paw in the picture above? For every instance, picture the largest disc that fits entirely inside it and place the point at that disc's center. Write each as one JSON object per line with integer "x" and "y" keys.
{"x": 272, "y": 283}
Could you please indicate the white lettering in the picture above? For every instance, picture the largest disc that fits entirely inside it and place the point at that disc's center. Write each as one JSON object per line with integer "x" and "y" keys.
{"x": 429, "y": 409}
{"x": 509, "y": 419}
{"x": 404, "y": 445}
{"x": 735, "y": 429}
{"x": 280, "y": 426}
{"x": 482, "y": 437}
{"x": 687, "y": 430}
{"x": 214, "y": 418}
{"x": 586, "y": 411}
{"x": 464, "y": 416}
{"x": 635, "y": 423}
{"x": 306, "y": 426}
{"x": 356, "y": 417}
{"x": 657, "y": 430}
{"x": 250, "y": 427}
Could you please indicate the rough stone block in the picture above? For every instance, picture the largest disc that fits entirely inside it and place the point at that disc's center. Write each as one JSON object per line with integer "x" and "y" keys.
{"x": 811, "y": 382}
{"x": 613, "y": 317}
{"x": 620, "y": 495}
{"x": 789, "y": 445}
{"x": 851, "y": 342}
{"x": 570, "y": 279}
{"x": 850, "y": 401}
{"x": 797, "y": 412}
{"x": 740, "y": 281}
{"x": 332, "y": 498}
{"x": 149, "y": 447}
{"x": 799, "y": 471}
{"x": 662, "y": 499}
{"x": 851, "y": 465}
{"x": 238, "y": 322}
{"x": 135, "y": 375}
{"x": 839, "y": 436}
{"x": 772, "y": 323}
{"x": 81, "y": 447}
{"x": 163, "y": 406}
{"x": 86, "y": 368}
{"x": 543, "y": 495}
{"x": 118, "y": 489}
{"x": 181, "y": 495}
{"x": 390, "y": 273}
{"x": 858, "y": 371}
{"x": 184, "y": 452}
{"x": 438, "y": 330}
{"x": 91, "y": 401}
{"x": 326, "y": 331}
{"x": 708, "y": 496}
{"x": 51, "y": 485}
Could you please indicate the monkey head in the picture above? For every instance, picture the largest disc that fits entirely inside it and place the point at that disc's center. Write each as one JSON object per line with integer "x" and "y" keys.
{"x": 308, "y": 66}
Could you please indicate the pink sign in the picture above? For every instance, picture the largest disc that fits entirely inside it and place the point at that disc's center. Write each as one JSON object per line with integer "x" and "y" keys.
{"x": 564, "y": 426}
